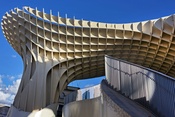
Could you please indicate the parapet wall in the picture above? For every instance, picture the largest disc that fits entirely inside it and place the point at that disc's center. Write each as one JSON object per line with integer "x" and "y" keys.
{"x": 96, "y": 107}
{"x": 150, "y": 88}
{"x": 108, "y": 104}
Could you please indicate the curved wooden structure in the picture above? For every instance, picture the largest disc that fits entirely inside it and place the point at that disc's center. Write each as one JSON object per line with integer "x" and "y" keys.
{"x": 57, "y": 50}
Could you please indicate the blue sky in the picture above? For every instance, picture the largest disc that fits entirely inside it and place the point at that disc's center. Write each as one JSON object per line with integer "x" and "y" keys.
{"x": 111, "y": 11}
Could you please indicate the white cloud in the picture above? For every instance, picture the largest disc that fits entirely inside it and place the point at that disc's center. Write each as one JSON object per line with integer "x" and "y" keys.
{"x": 12, "y": 89}
{"x": 1, "y": 76}
{"x": 0, "y": 80}
{"x": 14, "y": 56}
{"x": 19, "y": 76}
{"x": 8, "y": 92}
{"x": 11, "y": 78}
{"x": 4, "y": 97}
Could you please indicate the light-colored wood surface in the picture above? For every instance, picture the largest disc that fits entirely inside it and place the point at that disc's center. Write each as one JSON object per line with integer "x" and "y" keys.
{"x": 57, "y": 50}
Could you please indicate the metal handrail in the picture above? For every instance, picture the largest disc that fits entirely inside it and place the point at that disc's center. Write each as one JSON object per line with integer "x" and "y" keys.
{"x": 131, "y": 74}
{"x": 154, "y": 71}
